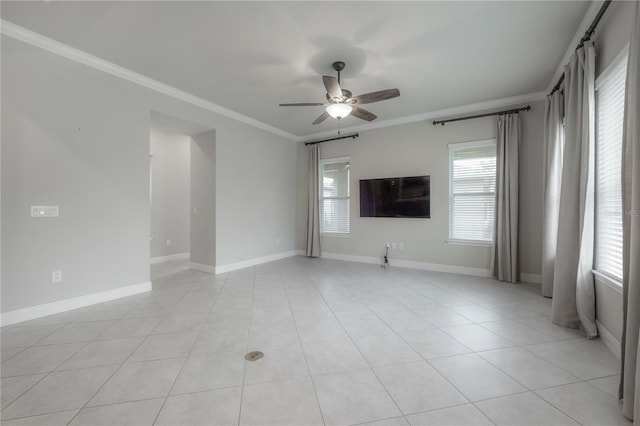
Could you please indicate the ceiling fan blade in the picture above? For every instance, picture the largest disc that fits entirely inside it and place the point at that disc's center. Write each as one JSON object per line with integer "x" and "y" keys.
{"x": 303, "y": 104}
{"x": 322, "y": 117}
{"x": 363, "y": 114}
{"x": 332, "y": 86}
{"x": 381, "y": 95}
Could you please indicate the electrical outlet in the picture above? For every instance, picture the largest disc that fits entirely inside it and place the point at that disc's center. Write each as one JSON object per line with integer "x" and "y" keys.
{"x": 168, "y": 243}
{"x": 56, "y": 276}
{"x": 394, "y": 246}
{"x": 401, "y": 246}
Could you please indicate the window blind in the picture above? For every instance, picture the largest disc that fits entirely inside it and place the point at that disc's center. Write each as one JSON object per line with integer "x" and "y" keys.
{"x": 335, "y": 194}
{"x": 472, "y": 191}
{"x": 609, "y": 122}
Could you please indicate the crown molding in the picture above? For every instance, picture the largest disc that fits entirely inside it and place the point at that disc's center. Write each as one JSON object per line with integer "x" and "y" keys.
{"x": 46, "y": 43}
{"x": 589, "y": 16}
{"x": 38, "y": 40}
{"x": 462, "y": 109}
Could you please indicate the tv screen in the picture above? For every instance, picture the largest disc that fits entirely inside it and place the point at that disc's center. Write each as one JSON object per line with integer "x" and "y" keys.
{"x": 395, "y": 197}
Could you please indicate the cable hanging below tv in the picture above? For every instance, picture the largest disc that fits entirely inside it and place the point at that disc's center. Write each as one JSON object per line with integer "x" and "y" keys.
{"x": 399, "y": 197}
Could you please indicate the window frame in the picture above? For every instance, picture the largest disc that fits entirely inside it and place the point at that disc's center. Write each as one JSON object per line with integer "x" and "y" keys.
{"x": 321, "y": 196}
{"x": 607, "y": 278}
{"x": 451, "y": 148}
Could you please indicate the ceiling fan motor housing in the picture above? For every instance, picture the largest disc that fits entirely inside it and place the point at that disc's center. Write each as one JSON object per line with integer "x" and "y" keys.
{"x": 346, "y": 94}
{"x": 342, "y": 103}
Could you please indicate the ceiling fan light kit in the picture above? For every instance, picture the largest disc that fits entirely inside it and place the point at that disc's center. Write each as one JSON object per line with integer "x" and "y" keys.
{"x": 342, "y": 103}
{"x": 339, "y": 111}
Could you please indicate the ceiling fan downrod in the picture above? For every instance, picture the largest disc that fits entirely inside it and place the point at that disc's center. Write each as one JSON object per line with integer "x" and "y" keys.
{"x": 338, "y": 66}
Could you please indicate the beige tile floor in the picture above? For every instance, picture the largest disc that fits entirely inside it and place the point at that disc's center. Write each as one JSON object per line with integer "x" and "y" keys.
{"x": 343, "y": 343}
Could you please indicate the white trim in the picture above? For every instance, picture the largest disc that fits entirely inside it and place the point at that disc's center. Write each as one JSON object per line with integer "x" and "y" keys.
{"x": 169, "y": 257}
{"x": 38, "y": 311}
{"x": 472, "y": 144}
{"x": 624, "y": 53}
{"x": 352, "y": 258}
{"x": 571, "y": 47}
{"x": 530, "y": 278}
{"x": 436, "y": 267}
{"x": 609, "y": 340}
{"x": 36, "y": 39}
{"x": 321, "y": 165}
{"x": 608, "y": 281}
{"x": 432, "y": 115}
{"x": 453, "y": 148}
{"x": 202, "y": 268}
{"x": 252, "y": 262}
{"x": 324, "y": 161}
{"x": 477, "y": 243}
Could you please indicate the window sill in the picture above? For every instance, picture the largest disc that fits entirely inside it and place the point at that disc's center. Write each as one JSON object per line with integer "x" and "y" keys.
{"x": 606, "y": 279}
{"x": 335, "y": 234}
{"x": 476, "y": 243}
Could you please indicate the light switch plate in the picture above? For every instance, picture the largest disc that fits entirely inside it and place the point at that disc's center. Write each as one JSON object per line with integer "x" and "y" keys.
{"x": 45, "y": 211}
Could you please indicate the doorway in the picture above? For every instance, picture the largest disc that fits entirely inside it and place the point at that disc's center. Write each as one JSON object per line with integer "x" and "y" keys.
{"x": 181, "y": 196}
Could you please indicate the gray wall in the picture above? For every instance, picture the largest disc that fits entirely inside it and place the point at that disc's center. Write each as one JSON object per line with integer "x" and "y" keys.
{"x": 261, "y": 191}
{"x": 612, "y": 35}
{"x": 79, "y": 138}
{"x": 170, "y": 192}
{"x": 203, "y": 198}
{"x": 417, "y": 149}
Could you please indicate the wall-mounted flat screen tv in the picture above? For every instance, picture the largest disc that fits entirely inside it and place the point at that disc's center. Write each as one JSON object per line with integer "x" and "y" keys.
{"x": 395, "y": 197}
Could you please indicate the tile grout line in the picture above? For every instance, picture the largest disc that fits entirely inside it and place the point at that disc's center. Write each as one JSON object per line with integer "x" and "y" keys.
{"x": 359, "y": 351}
{"x": 55, "y": 369}
{"x": 354, "y": 286}
{"x": 244, "y": 371}
{"x": 122, "y": 363}
{"x": 295, "y": 325}
{"x": 204, "y": 323}
{"x": 47, "y": 374}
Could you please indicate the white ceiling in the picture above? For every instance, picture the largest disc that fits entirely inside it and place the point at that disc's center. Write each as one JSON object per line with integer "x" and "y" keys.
{"x": 251, "y": 56}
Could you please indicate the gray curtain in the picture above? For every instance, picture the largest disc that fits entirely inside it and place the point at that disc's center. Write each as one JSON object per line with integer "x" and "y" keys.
{"x": 630, "y": 383}
{"x": 552, "y": 175}
{"x": 505, "y": 231}
{"x": 313, "y": 214}
{"x": 573, "y": 286}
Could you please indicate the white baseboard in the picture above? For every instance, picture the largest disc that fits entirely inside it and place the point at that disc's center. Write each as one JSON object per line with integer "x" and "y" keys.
{"x": 252, "y": 262}
{"x": 437, "y": 267}
{"x": 530, "y": 278}
{"x": 609, "y": 340}
{"x": 202, "y": 268}
{"x": 33, "y": 312}
{"x": 351, "y": 258}
{"x": 162, "y": 259}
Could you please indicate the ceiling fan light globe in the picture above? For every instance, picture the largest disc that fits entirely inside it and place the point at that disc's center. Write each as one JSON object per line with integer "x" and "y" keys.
{"x": 339, "y": 110}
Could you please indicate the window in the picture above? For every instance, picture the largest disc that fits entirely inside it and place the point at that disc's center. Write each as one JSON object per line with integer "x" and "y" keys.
{"x": 608, "y": 150}
{"x": 334, "y": 194}
{"x": 472, "y": 191}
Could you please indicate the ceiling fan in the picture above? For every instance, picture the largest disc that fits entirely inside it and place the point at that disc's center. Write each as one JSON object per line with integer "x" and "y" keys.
{"x": 341, "y": 102}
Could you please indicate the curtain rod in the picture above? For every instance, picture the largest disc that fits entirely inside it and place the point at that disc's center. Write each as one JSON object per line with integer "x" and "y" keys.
{"x": 508, "y": 111}
{"x": 352, "y": 135}
{"x": 586, "y": 37}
